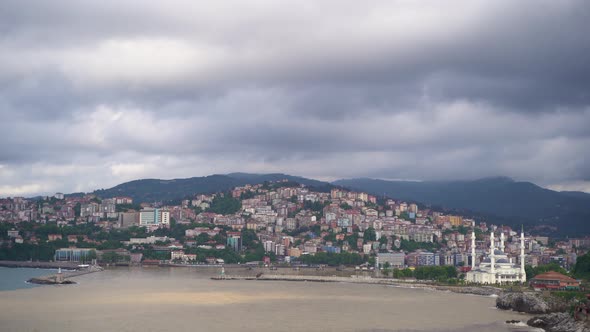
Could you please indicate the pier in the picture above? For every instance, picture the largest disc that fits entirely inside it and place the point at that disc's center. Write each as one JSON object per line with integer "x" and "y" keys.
{"x": 64, "y": 277}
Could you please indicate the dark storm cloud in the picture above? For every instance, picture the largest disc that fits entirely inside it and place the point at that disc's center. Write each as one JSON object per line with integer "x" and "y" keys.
{"x": 92, "y": 94}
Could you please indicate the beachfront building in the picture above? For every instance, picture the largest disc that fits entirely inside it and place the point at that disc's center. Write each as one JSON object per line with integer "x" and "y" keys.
{"x": 74, "y": 254}
{"x": 496, "y": 267}
{"x": 554, "y": 280}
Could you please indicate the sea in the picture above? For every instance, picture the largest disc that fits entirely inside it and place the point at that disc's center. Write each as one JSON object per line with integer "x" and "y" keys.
{"x": 186, "y": 299}
{"x": 16, "y": 278}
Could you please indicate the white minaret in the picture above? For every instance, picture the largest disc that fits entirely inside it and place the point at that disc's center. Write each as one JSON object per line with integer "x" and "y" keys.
{"x": 522, "y": 258}
{"x": 502, "y": 241}
{"x": 472, "y": 250}
{"x": 492, "y": 259}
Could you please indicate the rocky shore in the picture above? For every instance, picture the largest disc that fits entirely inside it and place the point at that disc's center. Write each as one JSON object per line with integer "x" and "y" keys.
{"x": 559, "y": 322}
{"x": 531, "y": 302}
{"x": 555, "y": 316}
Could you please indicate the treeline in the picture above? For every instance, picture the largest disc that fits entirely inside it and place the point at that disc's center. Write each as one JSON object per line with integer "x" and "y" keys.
{"x": 25, "y": 252}
{"x": 332, "y": 259}
{"x": 438, "y": 273}
{"x": 533, "y": 271}
{"x": 410, "y": 246}
{"x": 582, "y": 267}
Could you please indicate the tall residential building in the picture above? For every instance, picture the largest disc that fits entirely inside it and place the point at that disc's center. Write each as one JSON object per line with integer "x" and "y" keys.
{"x": 151, "y": 217}
{"x": 456, "y": 220}
{"x": 235, "y": 242}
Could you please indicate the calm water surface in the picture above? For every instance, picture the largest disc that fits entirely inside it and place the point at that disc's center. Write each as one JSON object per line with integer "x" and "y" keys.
{"x": 185, "y": 299}
{"x": 15, "y": 278}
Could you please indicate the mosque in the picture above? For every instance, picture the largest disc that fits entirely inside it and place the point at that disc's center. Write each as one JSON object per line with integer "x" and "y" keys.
{"x": 496, "y": 267}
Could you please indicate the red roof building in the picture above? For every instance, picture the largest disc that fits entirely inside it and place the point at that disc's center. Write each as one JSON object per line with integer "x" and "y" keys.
{"x": 554, "y": 280}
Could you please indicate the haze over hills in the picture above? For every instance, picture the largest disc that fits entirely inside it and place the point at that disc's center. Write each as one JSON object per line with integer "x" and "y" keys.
{"x": 510, "y": 201}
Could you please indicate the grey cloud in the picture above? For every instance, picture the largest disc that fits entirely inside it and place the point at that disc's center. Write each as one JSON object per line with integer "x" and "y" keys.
{"x": 114, "y": 91}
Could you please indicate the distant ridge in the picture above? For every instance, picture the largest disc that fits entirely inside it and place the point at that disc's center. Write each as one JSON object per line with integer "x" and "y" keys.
{"x": 516, "y": 202}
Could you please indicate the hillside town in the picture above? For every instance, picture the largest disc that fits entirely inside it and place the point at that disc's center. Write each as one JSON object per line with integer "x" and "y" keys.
{"x": 268, "y": 224}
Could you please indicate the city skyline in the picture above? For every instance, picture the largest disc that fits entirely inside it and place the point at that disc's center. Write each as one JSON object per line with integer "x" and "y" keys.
{"x": 330, "y": 90}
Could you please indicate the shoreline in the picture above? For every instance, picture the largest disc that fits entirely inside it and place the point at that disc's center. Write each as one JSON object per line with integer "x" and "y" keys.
{"x": 39, "y": 265}
{"x": 474, "y": 290}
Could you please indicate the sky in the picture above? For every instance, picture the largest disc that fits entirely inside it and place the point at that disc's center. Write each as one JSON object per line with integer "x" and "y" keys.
{"x": 96, "y": 93}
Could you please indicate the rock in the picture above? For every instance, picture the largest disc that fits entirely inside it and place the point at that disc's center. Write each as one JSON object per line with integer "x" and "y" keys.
{"x": 558, "y": 322}
{"x": 531, "y": 303}
{"x": 484, "y": 291}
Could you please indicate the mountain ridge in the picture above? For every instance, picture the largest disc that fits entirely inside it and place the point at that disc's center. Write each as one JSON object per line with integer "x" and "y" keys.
{"x": 514, "y": 201}
{"x": 493, "y": 198}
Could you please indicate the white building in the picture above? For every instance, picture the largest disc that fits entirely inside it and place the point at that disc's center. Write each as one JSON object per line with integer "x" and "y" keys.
{"x": 151, "y": 217}
{"x": 496, "y": 267}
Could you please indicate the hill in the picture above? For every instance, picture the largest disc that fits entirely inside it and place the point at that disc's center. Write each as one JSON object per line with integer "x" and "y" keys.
{"x": 499, "y": 199}
{"x": 508, "y": 200}
{"x": 151, "y": 190}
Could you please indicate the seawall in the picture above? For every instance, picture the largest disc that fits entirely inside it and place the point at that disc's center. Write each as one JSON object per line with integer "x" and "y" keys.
{"x": 40, "y": 265}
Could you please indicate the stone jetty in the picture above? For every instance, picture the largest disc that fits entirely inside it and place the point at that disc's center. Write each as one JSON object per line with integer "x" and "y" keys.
{"x": 63, "y": 277}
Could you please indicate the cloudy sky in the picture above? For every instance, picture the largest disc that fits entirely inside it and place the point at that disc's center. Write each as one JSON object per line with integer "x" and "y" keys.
{"x": 95, "y": 93}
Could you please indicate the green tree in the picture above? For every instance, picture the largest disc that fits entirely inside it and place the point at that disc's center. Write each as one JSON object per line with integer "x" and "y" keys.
{"x": 225, "y": 204}
{"x": 202, "y": 238}
{"x": 330, "y": 237}
{"x": 582, "y": 267}
{"x": 533, "y": 271}
{"x": 77, "y": 209}
{"x": 352, "y": 240}
{"x": 249, "y": 238}
{"x": 409, "y": 246}
{"x": 89, "y": 256}
{"x": 345, "y": 206}
{"x": 332, "y": 259}
{"x": 111, "y": 257}
{"x": 370, "y": 234}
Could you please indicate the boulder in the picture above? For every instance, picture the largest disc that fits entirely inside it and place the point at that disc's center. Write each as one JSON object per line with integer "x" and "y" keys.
{"x": 558, "y": 322}
{"x": 531, "y": 303}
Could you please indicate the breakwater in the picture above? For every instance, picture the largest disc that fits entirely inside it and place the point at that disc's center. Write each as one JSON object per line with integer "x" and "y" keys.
{"x": 64, "y": 277}
{"x": 485, "y": 291}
